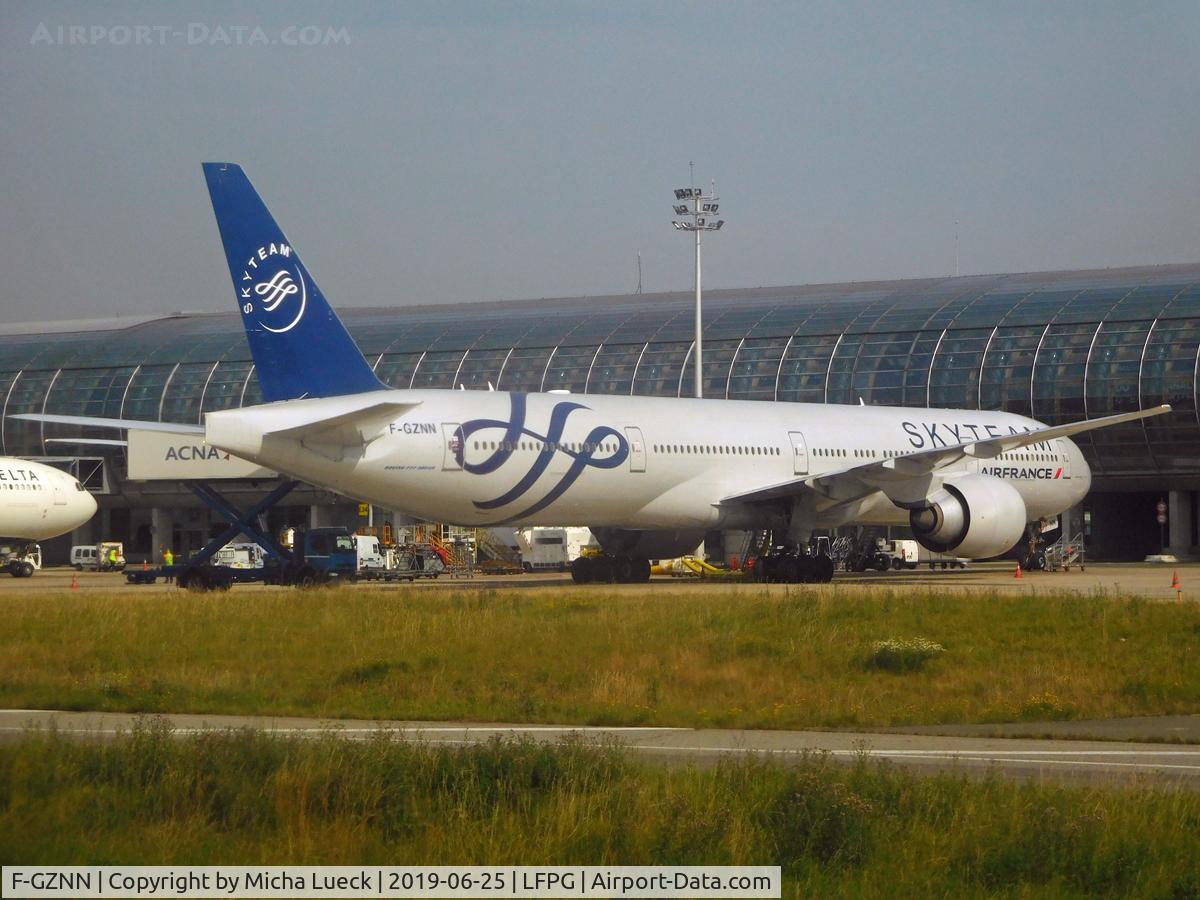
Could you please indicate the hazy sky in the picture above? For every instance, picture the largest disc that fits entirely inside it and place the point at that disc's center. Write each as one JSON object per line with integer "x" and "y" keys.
{"x": 458, "y": 151}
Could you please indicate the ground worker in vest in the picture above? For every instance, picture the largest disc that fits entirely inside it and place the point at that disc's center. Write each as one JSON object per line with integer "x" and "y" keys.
{"x": 168, "y": 560}
{"x": 112, "y": 558}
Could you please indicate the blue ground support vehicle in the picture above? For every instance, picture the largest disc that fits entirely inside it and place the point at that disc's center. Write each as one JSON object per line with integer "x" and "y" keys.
{"x": 317, "y": 556}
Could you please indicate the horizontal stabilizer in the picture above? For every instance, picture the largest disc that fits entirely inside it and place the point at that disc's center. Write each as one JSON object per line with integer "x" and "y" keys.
{"x": 349, "y": 428}
{"x": 98, "y": 422}
{"x": 326, "y": 425}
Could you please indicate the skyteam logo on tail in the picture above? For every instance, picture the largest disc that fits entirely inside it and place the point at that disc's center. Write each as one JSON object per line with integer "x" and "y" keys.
{"x": 276, "y": 295}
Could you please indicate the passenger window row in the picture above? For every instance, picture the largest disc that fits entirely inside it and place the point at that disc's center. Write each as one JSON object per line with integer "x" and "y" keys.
{"x": 716, "y": 450}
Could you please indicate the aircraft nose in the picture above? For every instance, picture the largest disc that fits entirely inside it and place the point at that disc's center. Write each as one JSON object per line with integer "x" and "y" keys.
{"x": 1081, "y": 472}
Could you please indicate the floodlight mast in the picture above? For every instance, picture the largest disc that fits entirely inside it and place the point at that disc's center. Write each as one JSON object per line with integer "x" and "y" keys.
{"x": 696, "y": 209}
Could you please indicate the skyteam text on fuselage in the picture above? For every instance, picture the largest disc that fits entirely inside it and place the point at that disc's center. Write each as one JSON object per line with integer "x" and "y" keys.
{"x": 650, "y": 475}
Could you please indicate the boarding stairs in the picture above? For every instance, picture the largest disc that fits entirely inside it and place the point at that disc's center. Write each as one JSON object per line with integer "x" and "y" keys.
{"x": 1064, "y": 553}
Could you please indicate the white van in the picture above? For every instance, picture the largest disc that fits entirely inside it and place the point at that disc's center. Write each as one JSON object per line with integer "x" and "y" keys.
{"x": 96, "y": 556}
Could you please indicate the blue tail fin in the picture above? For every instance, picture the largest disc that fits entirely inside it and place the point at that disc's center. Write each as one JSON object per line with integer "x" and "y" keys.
{"x": 300, "y": 347}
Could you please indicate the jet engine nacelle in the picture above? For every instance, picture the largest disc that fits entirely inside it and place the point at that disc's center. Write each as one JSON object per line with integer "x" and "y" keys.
{"x": 975, "y": 516}
{"x": 665, "y": 544}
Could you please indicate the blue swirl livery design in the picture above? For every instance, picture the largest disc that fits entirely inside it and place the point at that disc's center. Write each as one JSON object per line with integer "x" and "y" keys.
{"x": 583, "y": 454}
{"x": 299, "y": 345}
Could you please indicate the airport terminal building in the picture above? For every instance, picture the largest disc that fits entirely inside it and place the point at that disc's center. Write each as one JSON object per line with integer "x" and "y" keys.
{"x": 1058, "y": 346}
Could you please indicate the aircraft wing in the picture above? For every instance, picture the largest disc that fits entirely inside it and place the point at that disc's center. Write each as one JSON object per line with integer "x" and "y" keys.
{"x": 913, "y": 476}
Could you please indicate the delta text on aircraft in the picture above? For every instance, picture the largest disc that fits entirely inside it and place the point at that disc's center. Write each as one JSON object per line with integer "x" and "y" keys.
{"x": 650, "y": 475}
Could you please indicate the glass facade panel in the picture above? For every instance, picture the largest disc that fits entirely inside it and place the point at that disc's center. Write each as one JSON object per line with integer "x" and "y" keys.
{"x": 755, "y": 369}
{"x": 28, "y": 395}
{"x": 396, "y": 369}
{"x": 480, "y": 368}
{"x": 1112, "y": 386}
{"x": 954, "y": 375}
{"x": 85, "y": 392}
{"x": 524, "y": 369}
{"x": 569, "y": 369}
{"x": 878, "y": 376}
{"x": 612, "y": 372}
{"x": 1058, "y": 373}
{"x": 181, "y": 402}
{"x": 840, "y": 388}
{"x": 1112, "y": 375}
{"x": 437, "y": 369}
{"x": 1007, "y": 378}
{"x": 916, "y": 373}
{"x": 225, "y": 387}
{"x": 805, "y": 364}
{"x": 1169, "y": 376}
{"x": 145, "y": 394}
{"x": 718, "y": 355}
{"x": 660, "y": 369}
{"x": 253, "y": 393}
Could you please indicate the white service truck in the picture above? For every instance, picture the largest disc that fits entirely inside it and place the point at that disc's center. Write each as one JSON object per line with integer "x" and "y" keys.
{"x": 241, "y": 555}
{"x": 551, "y": 549}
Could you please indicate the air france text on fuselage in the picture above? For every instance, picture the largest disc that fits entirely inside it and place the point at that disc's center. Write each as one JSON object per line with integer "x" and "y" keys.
{"x": 927, "y": 435}
{"x": 1022, "y": 474}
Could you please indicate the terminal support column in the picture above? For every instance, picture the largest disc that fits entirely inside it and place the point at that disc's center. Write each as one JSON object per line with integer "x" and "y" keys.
{"x": 1181, "y": 511}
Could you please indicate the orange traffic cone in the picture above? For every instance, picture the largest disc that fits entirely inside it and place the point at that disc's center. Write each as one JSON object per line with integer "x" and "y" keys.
{"x": 74, "y": 582}
{"x": 145, "y": 566}
{"x": 1175, "y": 580}
{"x": 1017, "y": 574}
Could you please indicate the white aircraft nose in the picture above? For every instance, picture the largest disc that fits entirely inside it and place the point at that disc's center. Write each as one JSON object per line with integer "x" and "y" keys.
{"x": 85, "y": 504}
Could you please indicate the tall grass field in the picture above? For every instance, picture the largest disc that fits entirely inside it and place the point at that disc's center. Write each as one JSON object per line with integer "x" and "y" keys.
{"x": 712, "y": 656}
{"x": 858, "y": 831}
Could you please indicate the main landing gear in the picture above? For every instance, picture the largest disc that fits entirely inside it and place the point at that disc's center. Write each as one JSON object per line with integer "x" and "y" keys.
{"x": 793, "y": 568}
{"x": 619, "y": 569}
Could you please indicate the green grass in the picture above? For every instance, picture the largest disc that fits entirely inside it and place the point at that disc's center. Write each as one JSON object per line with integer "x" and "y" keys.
{"x": 861, "y": 831}
{"x": 706, "y": 656}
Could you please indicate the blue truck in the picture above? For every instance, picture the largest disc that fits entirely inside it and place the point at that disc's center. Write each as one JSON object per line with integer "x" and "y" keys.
{"x": 318, "y": 556}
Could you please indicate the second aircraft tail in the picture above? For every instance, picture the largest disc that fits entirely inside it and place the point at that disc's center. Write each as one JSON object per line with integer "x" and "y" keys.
{"x": 299, "y": 345}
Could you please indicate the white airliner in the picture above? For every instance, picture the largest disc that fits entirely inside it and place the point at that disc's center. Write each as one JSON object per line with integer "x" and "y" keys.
{"x": 37, "y": 502}
{"x": 649, "y": 475}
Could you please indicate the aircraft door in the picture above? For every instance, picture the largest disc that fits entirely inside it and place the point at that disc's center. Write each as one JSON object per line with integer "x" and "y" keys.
{"x": 60, "y": 496}
{"x": 799, "y": 453}
{"x": 451, "y": 446}
{"x": 637, "y": 449}
{"x": 1064, "y": 453}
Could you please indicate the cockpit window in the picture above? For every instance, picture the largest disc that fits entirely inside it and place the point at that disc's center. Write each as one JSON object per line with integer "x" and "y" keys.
{"x": 79, "y": 487}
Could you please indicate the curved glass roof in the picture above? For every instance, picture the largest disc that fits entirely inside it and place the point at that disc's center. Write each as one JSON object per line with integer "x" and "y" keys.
{"x": 1058, "y": 346}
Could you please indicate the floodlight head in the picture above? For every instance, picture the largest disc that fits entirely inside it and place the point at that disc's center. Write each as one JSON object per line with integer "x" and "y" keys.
{"x": 677, "y": 225}
{"x": 720, "y": 222}
{"x": 681, "y": 210}
{"x": 679, "y": 194}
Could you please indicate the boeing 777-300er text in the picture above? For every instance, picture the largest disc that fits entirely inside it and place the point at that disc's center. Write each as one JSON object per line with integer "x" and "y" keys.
{"x": 649, "y": 474}
{"x": 37, "y": 502}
